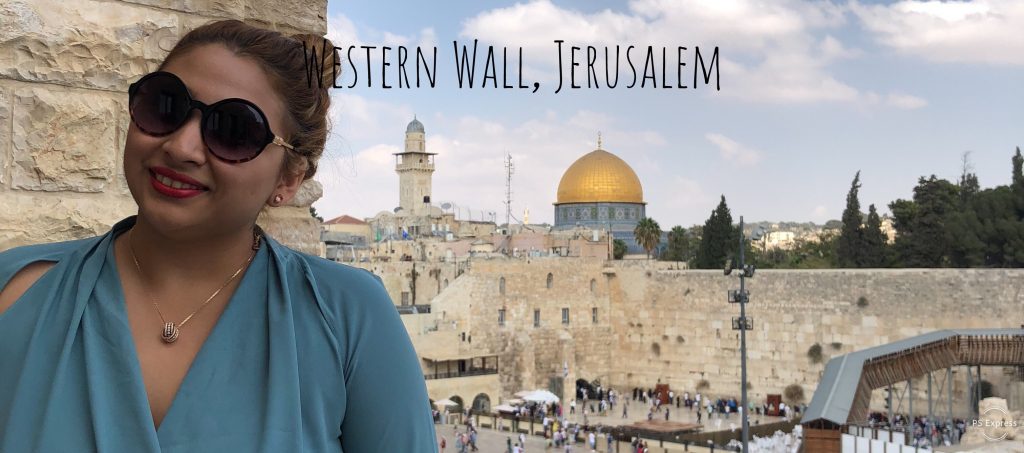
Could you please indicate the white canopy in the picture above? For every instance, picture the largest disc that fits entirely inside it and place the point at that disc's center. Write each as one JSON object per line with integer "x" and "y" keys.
{"x": 504, "y": 408}
{"x": 541, "y": 396}
{"x": 445, "y": 402}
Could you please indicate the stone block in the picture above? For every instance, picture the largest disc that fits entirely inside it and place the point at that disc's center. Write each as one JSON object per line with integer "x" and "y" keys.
{"x": 232, "y": 9}
{"x": 62, "y": 141}
{"x": 29, "y": 218}
{"x": 309, "y": 192}
{"x": 5, "y": 137}
{"x": 308, "y": 15}
{"x": 293, "y": 227}
{"x": 85, "y": 43}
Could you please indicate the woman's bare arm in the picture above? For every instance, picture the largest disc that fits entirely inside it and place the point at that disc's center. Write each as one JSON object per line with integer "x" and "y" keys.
{"x": 21, "y": 282}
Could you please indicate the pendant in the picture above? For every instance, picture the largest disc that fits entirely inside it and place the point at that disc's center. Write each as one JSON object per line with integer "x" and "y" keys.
{"x": 170, "y": 333}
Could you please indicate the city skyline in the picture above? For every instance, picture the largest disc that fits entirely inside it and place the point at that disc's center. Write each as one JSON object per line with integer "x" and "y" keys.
{"x": 810, "y": 94}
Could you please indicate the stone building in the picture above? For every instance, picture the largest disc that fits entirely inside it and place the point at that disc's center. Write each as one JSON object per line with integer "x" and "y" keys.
{"x": 416, "y": 216}
{"x": 65, "y": 68}
{"x": 601, "y": 191}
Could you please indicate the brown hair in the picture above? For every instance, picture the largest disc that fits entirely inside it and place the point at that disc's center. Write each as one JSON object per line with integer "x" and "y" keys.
{"x": 284, "y": 60}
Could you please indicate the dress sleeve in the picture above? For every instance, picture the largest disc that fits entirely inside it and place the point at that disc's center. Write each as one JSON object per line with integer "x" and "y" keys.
{"x": 387, "y": 408}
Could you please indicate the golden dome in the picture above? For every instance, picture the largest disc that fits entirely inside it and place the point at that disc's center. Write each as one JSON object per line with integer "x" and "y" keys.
{"x": 600, "y": 176}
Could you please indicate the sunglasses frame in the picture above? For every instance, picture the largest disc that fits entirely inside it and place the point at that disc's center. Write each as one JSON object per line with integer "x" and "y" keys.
{"x": 204, "y": 108}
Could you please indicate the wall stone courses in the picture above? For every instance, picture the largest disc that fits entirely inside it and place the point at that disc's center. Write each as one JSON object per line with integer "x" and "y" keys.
{"x": 85, "y": 43}
{"x": 302, "y": 14}
{"x": 792, "y": 310}
{"x": 5, "y": 137}
{"x": 63, "y": 142}
{"x": 215, "y": 8}
{"x": 28, "y": 218}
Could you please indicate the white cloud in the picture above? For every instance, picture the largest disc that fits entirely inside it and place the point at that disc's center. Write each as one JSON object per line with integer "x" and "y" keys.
{"x": 671, "y": 198}
{"x": 977, "y": 31}
{"x": 733, "y": 151}
{"x": 895, "y": 100}
{"x": 905, "y": 101}
{"x": 820, "y": 214}
{"x": 769, "y": 51}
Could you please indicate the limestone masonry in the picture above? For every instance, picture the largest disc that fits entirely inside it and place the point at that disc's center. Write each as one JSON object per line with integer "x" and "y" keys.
{"x": 656, "y": 323}
{"x": 64, "y": 74}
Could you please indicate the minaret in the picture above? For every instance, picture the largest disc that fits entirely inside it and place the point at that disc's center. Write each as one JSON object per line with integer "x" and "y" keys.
{"x": 415, "y": 167}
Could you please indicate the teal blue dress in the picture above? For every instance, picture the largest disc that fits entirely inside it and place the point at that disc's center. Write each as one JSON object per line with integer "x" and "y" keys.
{"x": 308, "y": 356}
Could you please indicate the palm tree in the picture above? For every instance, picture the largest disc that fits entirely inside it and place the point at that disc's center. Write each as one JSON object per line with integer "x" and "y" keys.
{"x": 648, "y": 234}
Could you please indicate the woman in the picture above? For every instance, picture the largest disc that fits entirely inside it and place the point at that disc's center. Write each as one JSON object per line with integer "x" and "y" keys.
{"x": 186, "y": 328}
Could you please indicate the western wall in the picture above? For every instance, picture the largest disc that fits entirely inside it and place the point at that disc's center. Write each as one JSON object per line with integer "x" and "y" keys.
{"x": 655, "y": 323}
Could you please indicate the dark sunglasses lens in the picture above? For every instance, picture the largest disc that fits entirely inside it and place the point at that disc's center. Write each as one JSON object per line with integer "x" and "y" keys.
{"x": 235, "y": 131}
{"x": 159, "y": 105}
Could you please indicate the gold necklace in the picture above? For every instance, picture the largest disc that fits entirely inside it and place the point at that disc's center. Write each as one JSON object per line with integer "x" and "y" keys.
{"x": 170, "y": 331}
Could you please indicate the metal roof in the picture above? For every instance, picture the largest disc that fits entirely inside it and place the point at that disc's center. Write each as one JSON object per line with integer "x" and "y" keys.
{"x": 834, "y": 399}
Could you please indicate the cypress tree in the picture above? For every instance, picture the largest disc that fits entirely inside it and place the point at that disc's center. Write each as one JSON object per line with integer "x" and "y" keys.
{"x": 851, "y": 240}
{"x": 874, "y": 241}
{"x": 719, "y": 238}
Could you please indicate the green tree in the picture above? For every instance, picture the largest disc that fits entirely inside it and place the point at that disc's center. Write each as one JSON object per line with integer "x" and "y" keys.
{"x": 851, "y": 240}
{"x": 966, "y": 248}
{"x": 312, "y": 213}
{"x": 874, "y": 253}
{"x": 619, "y": 248}
{"x": 719, "y": 239}
{"x": 922, "y": 239}
{"x": 822, "y": 253}
{"x": 648, "y": 234}
{"x": 679, "y": 248}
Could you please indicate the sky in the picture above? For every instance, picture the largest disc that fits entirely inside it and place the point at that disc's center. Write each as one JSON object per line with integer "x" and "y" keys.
{"x": 809, "y": 93}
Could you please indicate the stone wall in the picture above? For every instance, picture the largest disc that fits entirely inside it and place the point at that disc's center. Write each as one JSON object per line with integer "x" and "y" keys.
{"x": 64, "y": 74}
{"x": 656, "y": 323}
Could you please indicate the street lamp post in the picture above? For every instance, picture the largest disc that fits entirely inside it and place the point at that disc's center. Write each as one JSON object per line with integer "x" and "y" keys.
{"x": 743, "y": 324}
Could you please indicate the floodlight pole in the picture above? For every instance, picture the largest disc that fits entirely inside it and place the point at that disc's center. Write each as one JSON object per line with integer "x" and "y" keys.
{"x": 744, "y": 411}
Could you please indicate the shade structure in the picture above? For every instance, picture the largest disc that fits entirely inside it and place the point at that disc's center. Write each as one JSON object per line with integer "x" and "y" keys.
{"x": 445, "y": 403}
{"x": 504, "y": 408}
{"x": 541, "y": 396}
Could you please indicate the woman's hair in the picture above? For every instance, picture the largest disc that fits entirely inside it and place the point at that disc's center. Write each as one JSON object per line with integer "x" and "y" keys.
{"x": 284, "y": 60}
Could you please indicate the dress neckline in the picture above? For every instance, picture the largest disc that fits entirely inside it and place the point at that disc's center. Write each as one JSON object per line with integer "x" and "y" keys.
{"x": 232, "y": 309}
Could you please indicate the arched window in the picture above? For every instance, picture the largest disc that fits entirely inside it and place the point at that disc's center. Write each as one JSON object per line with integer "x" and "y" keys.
{"x": 482, "y": 403}
{"x": 501, "y": 286}
{"x": 551, "y": 280}
{"x": 445, "y": 283}
{"x": 593, "y": 285}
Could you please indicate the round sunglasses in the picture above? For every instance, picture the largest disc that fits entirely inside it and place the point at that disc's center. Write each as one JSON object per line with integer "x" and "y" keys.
{"x": 234, "y": 130}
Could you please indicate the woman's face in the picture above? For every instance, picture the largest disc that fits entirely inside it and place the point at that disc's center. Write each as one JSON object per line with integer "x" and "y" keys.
{"x": 230, "y": 195}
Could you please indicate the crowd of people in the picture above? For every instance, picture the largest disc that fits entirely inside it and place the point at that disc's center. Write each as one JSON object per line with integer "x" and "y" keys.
{"x": 570, "y": 425}
{"x": 720, "y": 407}
{"x": 925, "y": 432}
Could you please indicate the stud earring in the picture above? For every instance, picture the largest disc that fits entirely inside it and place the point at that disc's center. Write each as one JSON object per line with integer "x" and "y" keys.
{"x": 278, "y": 198}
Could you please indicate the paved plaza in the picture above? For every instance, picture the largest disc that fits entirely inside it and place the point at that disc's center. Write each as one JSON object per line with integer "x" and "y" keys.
{"x": 490, "y": 440}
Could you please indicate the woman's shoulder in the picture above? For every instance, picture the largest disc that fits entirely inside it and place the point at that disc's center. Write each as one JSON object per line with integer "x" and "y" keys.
{"x": 21, "y": 267}
{"x": 13, "y": 259}
{"x": 49, "y": 251}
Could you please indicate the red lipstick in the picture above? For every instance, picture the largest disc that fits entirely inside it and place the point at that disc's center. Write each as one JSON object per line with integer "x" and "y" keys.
{"x": 161, "y": 179}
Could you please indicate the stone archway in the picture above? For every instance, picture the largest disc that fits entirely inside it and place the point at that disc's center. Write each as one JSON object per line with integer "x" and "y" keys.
{"x": 482, "y": 404}
{"x": 457, "y": 400}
